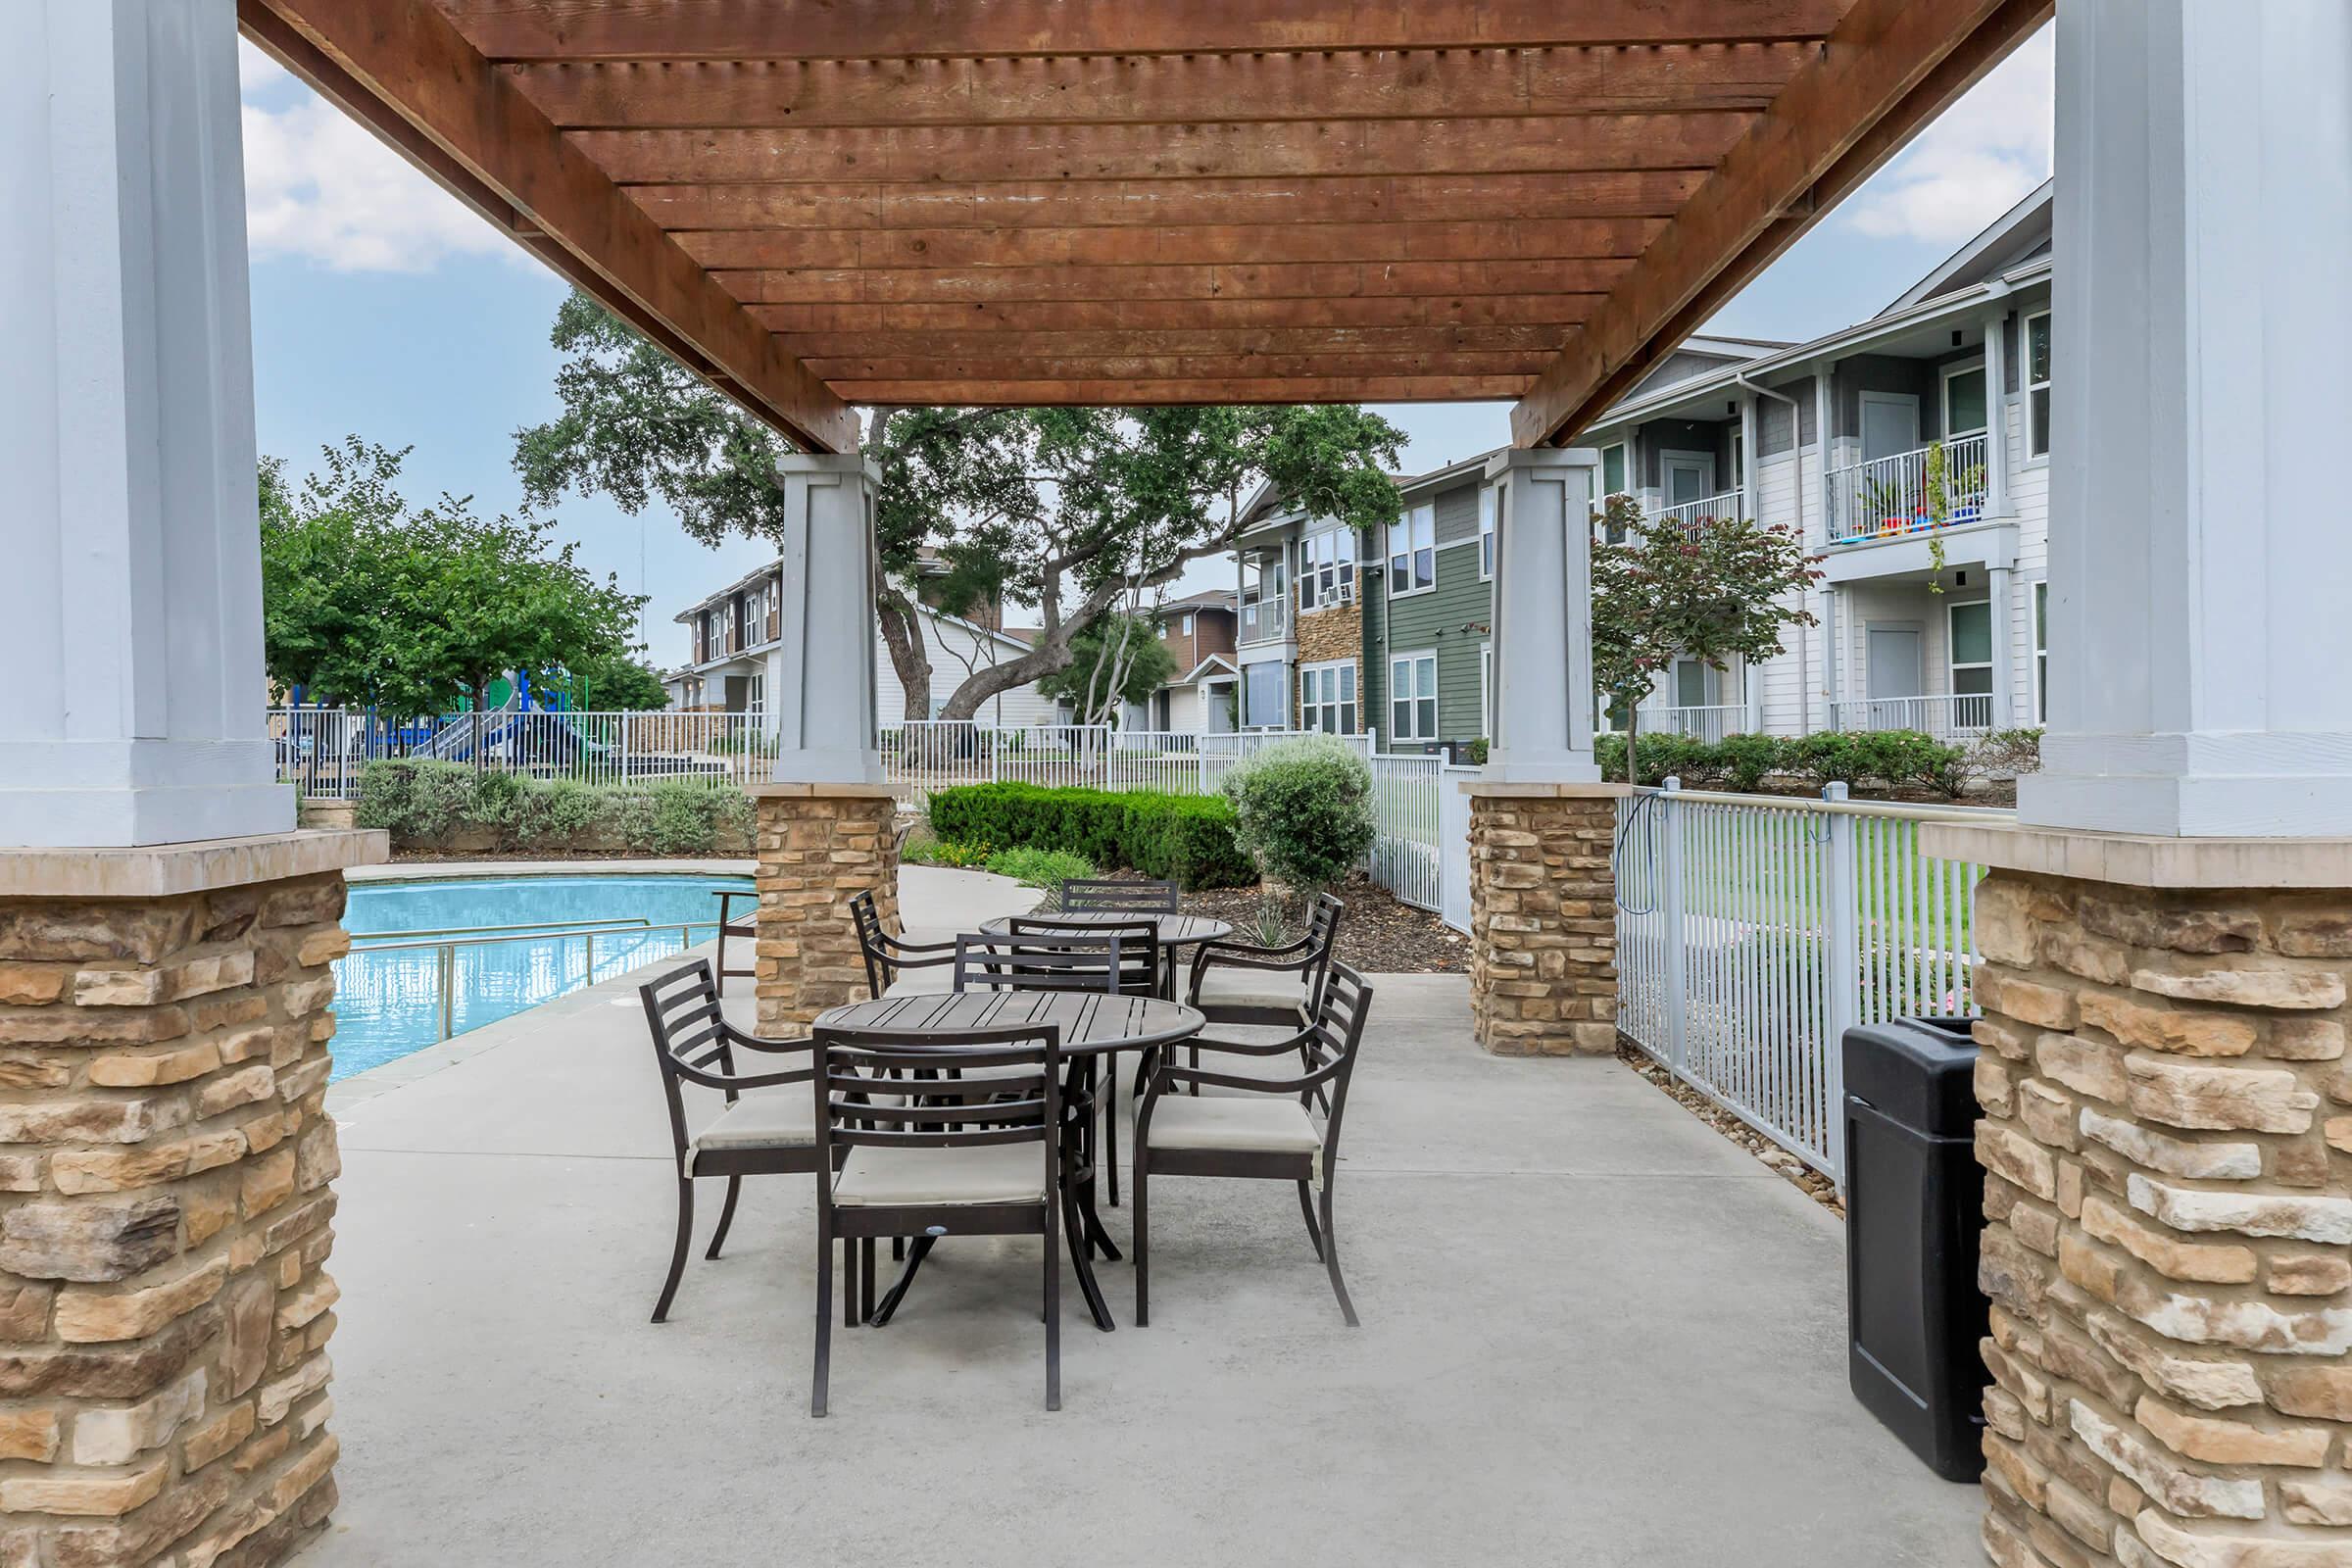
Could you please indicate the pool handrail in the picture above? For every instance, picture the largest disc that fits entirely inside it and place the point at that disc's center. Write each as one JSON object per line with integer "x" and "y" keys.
{"x": 541, "y": 927}
{"x": 445, "y": 950}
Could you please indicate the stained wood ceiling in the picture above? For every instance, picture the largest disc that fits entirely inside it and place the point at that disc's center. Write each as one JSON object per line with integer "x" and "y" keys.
{"x": 817, "y": 203}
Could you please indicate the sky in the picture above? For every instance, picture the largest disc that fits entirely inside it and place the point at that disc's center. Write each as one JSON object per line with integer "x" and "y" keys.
{"x": 382, "y": 308}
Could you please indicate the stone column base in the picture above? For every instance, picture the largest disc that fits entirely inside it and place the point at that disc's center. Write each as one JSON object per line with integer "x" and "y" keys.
{"x": 2167, "y": 1145}
{"x": 820, "y": 845}
{"x": 166, "y": 1165}
{"x": 1544, "y": 919}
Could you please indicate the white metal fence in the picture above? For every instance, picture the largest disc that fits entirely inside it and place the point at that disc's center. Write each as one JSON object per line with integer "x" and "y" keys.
{"x": 1754, "y": 931}
{"x": 322, "y": 750}
{"x": 1706, "y": 509}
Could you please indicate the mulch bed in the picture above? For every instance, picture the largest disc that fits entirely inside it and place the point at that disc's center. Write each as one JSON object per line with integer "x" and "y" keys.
{"x": 1378, "y": 935}
{"x": 1812, "y": 1183}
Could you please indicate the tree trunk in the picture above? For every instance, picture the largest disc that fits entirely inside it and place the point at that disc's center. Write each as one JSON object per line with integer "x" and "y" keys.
{"x": 1632, "y": 736}
{"x": 903, "y": 635}
{"x": 1049, "y": 652}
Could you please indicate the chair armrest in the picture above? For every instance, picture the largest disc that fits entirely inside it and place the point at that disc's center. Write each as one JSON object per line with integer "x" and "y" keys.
{"x": 1246, "y": 1048}
{"x": 737, "y": 1037}
{"x": 731, "y": 1085}
{"x": 1249, "y": 956}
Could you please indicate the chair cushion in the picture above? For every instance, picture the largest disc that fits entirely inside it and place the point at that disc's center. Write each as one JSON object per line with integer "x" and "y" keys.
{"x": 1270, "y": 1124}
{"x": 1226, "y": 985}
{"x": 932, "y": 980}
{"x": 779, "y": 1118}
{"x": 989, "y": 1173}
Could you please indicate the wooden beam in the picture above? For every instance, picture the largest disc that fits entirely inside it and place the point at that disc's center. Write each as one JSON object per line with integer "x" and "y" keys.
{"x": 1238, "y": 342}
{"x": 1152, "y": 394}
{"x": 1162, "y": 90}
{"x": 1532, "y": 239}
{"x": 752, "y": 30}
{"x": 1146, "y": 366}
{"x": 413, "y": 79}
{"x": 928, "y": 155}
{"x": 1033, "y": 315}
{"x": 1865, "y": 92}
{"x": 1126, "y": 285}
{"x": 1163, "y": 203}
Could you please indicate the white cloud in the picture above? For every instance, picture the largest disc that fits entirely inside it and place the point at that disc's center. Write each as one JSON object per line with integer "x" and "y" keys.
{"x": 1978, "y": 160}
{"x": 319, "y": 188}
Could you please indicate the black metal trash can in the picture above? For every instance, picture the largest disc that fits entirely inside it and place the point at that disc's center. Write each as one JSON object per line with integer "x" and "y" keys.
{"x": 1914, "y": 1211}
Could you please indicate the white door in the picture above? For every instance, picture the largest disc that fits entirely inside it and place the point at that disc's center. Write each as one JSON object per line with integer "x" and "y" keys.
{"x": 1889, "y": 424}
{"x": 1687, "y": 476}
{"x": 1894, "y": 671}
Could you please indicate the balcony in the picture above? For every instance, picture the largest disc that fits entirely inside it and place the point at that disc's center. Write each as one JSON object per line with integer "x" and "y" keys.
{"x": 1706, "y": 509}
{"x": 1890, "y": 498}
{"x": 1266, "y": 620}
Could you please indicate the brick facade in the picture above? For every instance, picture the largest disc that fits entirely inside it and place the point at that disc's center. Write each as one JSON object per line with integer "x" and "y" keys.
{"x": 2167, "y": 1145}
{"x": 165, "y": 1163}
{"x": 1544, "y": 919}
{"x": 820, "y": 845}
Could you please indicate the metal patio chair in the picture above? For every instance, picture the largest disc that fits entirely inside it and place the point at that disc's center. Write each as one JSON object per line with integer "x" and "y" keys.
{"x": 1241, "y": 982}
{"x": 1138, "y": 976}
{"x": 896, "y": 966}
{"x": 969, "y": 1156}
{"x": 745, "y": 929}
{"x": 1115, "y": 896}
{"x": 1271, "y": 1129}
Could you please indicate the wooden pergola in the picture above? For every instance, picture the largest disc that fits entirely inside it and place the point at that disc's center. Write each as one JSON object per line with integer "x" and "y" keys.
{"x": 820, "y": 203}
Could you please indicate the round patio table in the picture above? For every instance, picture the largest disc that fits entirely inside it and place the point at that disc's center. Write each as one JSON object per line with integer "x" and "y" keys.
{"x": 1176, "y": 932}
{"x": 1094, "y": 1025}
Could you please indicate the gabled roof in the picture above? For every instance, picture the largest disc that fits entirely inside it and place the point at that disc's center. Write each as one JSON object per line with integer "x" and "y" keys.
{"x": 2024, "y": 230}
{"x": 1205, "y": 599}
{"x": 1214, "y": 664}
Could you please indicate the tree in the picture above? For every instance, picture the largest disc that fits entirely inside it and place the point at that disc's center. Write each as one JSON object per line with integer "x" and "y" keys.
{"x": 615, "y": 683}
{"x": 1065, "y": 511}
{"x": 370, "y": 602}
{"x": 1118, "y": 658}
{"x": 1715, "y": 591}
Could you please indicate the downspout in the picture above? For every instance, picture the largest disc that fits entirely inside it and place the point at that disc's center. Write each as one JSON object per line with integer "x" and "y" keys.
{"x": 1796, "y": 456}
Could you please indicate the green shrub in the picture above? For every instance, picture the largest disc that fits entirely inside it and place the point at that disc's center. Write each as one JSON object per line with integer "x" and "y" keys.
{"x": 1304, "y": 809}
{"x": 1184, "y": 838}
{"x": 1826, "y": 756}
{"x": 1748, "y": 759}
{"x": 946, "y": 852}
{"x": 423, "y": 802}
{"x": 1039, "y": 868}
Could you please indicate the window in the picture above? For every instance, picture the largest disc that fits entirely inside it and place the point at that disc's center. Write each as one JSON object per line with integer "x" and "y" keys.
{"x": 1263, "y": 692}
{"x": 1488, "y": 500}
{"x": 1612, "y": 470}
{"x": 1185, "y": 627}
{"x": 754, "y": 696}
{"x": 1486, "y": 689}
{"x": 1413, "y": 551}
{"x": 1963, "y": 400}
{"x": 1690, "y": 683}
{"x": 1970, "y": 660}
{"x": 1739, "y": 459}
{"x": 1327, "y": 696}
{"x": 2037, "y": 384}
{"x": 1413, "y": 697}
{"x": 1327, "y": 568}
{"x": 2041, "y": 653}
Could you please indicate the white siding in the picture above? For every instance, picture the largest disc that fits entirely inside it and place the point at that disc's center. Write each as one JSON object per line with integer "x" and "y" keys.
{"x": 1777, "y": 496}
{"x": 951, "y": 646}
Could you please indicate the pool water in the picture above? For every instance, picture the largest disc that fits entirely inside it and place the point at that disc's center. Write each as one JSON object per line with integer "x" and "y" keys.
{"x": 389, "y": 1003}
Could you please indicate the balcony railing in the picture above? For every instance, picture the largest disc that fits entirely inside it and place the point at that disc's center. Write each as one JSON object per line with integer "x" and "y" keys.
{"x": 1708, "y": 724}
{"x": 1947, "y": 716}
{"x": 1265, "y": 621}
{"x": 1706, "y": 509}
{"x": 1887, "y": 498}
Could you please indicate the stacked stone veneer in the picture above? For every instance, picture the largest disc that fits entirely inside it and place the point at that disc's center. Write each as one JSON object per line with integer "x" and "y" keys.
{"x": 817, "y": 850}
{"x": 1330, "y": 636}
{"x": 1542, "y": 919}
{"x": 164, "y": 1163}
{"x": 2167, "y": 1157}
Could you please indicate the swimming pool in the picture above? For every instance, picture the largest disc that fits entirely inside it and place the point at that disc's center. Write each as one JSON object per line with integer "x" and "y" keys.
{"x": 388, "y": 1003}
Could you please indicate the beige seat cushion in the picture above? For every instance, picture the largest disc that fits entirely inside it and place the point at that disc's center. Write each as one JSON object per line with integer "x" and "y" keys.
{"x": 932, "y": 980}
{"x": 990, "y": 1173}
{"x": 784, "y": 1117}
{"x": 1270, "y": 1124}
{"x": 1223, "y": 984}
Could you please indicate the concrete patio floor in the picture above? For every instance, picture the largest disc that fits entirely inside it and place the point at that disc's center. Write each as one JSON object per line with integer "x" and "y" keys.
{"x": 1594, "y": 1332}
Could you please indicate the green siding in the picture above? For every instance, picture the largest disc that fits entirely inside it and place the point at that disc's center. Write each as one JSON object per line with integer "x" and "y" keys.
{"x": 1434, "y": 621}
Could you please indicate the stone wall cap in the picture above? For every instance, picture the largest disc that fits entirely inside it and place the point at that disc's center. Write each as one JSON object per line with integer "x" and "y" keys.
{"x": 2142, "y": 861}
{"x": 165, "y": 870}
{"x": 801, "y": 792}
{"x": 583, "y": 865}
{"x": 1538, "y": 790}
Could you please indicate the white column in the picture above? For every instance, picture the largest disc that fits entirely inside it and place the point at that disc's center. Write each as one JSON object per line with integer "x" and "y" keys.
{"x": 1829, "y": 658}
{"x": 1542, "y": 616}
{"x": 1750, "y": 486}
{"x": 131, "y": 607}
{"x": 2198, "y": 577}
{"x": 2002, "y": 616}
{"x": 1996, "y": 416}
{"x": 821, "y": 696}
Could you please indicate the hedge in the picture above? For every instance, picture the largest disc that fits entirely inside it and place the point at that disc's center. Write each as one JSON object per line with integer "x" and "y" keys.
{"x": 1184, "y": 838}
{"x": 449, "y": 805}
{"x": 1896, "y": 759}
